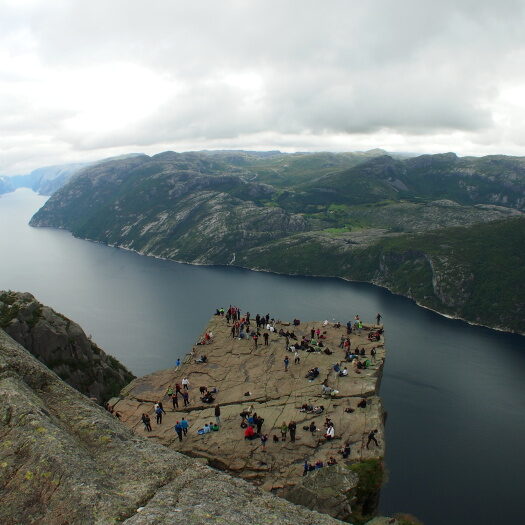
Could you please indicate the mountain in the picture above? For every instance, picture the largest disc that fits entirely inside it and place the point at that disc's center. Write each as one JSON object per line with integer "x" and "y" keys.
{"x": 343, "y": 215}
{"x": 62, "y": 345}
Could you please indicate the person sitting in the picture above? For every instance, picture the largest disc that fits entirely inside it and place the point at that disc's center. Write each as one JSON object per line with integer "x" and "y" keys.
{"x": 337, "y": 368}
{"x": 249, "y": 433}
{"x": 337, "y": 325}
{"x": 203, "y": 389}
{"x": 214, "y": 427}
{"x": 208, "y": 398}
{"x": 275, "y": 439}
{"x": 362, "y": 403}
{"x": 318, "y": 410}
{"x": 326, "y": 390}
{"x": 330, "y": 432}
{"x": 343, "y": 372}
{"x": 206, "y": 429}
{"x": 362, "y": 352}
{"x": 312, "y": 428}
{"x": 319, "y": 464}
{"x": 349, "y": 410}
{"x": 296, "y": 322}
{"x": 327, "y": 351}
{"x": 201, "y": 359}
{"x": 331, "y": 461}
{"x": 345, "y": 451}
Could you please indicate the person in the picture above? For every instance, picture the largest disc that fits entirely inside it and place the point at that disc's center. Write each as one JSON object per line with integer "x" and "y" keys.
{"x": 286, "y": 363}
{"x": 186, "y": 398}
{"x": 373, "y": 354}
{"x": 378, "y": 318}
{"x": 264, "y": 439}
{"x": 255, "y": 340}
{"x": 178, "y": 429}
{"x": 207, "y": 398}
{"x": 312, "y": 428}
{"x": 330, "y": 432}
{"x": 202, "y": 359}
{"x": 292, "y": 427}
{"x": 207, "y": 428}
{"x": 284, "y": 430}
{"x": 218, "y": 414}
{"x": 345, "y": 451}
{"x": 169, "y": 391}
{"x": 297, "y": 359}
{"x": 186, "y": 383}
{"x": 175, "y": 400}
{"x": 331, "y": 461}
{"x": 372, "y": 437}
{"x": 147, "y": 422}
{"x": 178, "y": 388}
{"x": 362, "y": 403}
{"x": 306, "y": 467}
{"x": 344, "y": 372}
{"x": 249, "y": 433}
{"x": 184, "y": 425}
{"x": 266, "y": 336}
{"x": 159, "y": 410}
{"x": 177, "y": 363}
{"x": 259, "y": 423}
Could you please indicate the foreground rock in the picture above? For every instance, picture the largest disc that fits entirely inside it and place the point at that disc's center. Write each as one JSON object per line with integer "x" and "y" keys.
{"x": 65, "y": 460}
{"x": 254, "y": 379}
{"x": 62, "y": 345}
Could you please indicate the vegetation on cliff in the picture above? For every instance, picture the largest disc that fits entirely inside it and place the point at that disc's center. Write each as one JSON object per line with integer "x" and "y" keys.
{"x": 368, "y": 216}
{"x": 62, "y": 345}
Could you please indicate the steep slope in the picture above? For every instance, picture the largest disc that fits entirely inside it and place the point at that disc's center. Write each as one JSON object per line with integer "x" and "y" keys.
{"x": 211, "y": 208}
{"x": 65, "y": 460}
{"x": 62, "y": 345}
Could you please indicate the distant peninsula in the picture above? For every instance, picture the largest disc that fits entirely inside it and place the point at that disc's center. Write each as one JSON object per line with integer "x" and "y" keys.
{"x": 445, "y": 231}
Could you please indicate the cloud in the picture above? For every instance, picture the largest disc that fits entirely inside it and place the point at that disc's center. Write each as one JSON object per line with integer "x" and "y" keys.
{"x": 88, "y": 78}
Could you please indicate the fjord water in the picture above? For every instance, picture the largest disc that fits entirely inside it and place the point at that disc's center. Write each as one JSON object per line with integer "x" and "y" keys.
{"x": 454, "y": 393}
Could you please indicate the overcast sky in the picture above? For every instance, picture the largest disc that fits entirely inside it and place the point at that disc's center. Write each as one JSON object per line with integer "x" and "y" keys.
{"x": 82, "y": 80}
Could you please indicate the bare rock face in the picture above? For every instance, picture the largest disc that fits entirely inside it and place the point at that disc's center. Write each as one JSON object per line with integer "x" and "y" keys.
{"x": 62, "y": 345}
{"x": 65, "y": 460}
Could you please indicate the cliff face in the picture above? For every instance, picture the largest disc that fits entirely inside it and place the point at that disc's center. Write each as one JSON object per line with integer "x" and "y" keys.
{"x": 382, "y": 220}
{"x": 65, "y": 460}
{"x": 62, "y": 345}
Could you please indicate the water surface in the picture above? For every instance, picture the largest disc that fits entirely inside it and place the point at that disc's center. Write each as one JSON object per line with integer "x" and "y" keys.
{"x": 454, "y": 393}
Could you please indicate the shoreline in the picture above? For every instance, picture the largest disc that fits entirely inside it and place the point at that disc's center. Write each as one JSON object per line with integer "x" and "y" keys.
{"x": 262, "y": 270}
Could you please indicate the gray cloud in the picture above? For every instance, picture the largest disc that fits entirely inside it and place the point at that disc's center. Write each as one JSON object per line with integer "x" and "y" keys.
{"x": 231, "y": 73}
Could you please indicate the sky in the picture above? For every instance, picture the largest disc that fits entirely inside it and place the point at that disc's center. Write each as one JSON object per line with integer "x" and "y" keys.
{"x": 85, "y": 80}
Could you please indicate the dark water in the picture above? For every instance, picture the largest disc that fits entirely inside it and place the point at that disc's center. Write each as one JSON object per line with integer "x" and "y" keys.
{"x": 455, "y": 394}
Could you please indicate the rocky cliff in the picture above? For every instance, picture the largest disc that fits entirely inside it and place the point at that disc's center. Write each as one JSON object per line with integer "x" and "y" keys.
{"x": 62, "y": 345}
{"x": 65, "y": 460}
{"x": 371, "y": 214}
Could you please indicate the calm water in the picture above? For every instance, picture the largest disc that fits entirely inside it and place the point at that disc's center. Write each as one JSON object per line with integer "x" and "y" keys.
{"x": 455, "y": 394}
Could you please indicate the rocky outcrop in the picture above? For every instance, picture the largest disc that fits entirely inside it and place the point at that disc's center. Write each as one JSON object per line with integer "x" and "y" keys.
{"x": 65, "y": 460}
{"x": 62, "y": 345}
{"x": 255, "y": 380}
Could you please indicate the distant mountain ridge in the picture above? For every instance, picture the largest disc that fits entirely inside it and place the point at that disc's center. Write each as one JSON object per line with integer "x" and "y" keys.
{"x": 299, "y": 213}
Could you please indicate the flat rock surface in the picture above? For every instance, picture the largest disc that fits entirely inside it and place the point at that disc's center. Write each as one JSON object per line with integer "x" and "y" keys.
{"x": 237, "y": 367}
{"x": 65, "y": 460}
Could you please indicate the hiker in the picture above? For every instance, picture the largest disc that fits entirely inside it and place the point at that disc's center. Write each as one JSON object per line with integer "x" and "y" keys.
{"x": 177, "y": 363}
{"x": 378, "y": 318}
{"x": 259, "y": 423}
{"x": 147, "y": 422}
{"x": 292, "y": 426}
{"x": 159, "y": 410}
{"x": 372, "y": 437}
{"x": 169, "y": 391}
{"x": 284, "y": 430}
{"x": 184, "y": 425}
{"x": 286, "y": 363}
{"x": 264, "y": 439}
{"x": 186, "y": 383}
{"x": 297, "y": 359}
{"x": 186, "y": 398}
{"x": 175, "y": 400}
{"x": 255, "y": 340}
{"x": 178, "y": 429}
{"x": 266, "y": 336}
{"x": 218, "y": 414}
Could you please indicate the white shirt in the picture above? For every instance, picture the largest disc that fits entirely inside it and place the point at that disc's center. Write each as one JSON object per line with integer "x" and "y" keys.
{"x": 330, "y": 431}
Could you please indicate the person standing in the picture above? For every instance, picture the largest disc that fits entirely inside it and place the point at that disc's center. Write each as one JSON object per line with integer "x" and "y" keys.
{"x": 297, "y": 359}
{"x": 178, "y": 429}
{"x": 255, "y": 340}
{"x": 147, "y": 422}
{"x": 186, "y": 398}
{"x": 218, "y": 414}
{"x": 286, "y": 363}
{"x": 159, "y": 410}
{"x": 175, "y": 400}
{"x": 372, "y": 437}
{"x": 259, "y": 423}
{"x": 292, "y": 427}
{"x": 378, "y": 318}
{"x": 264, "y": 439}
{"x": 284, "y": 430}
{"x": 177, "y": 363}
{"x": 184, "y": 425}
{"x": 186, "y": 383}
{"x": 266, "y": 336}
